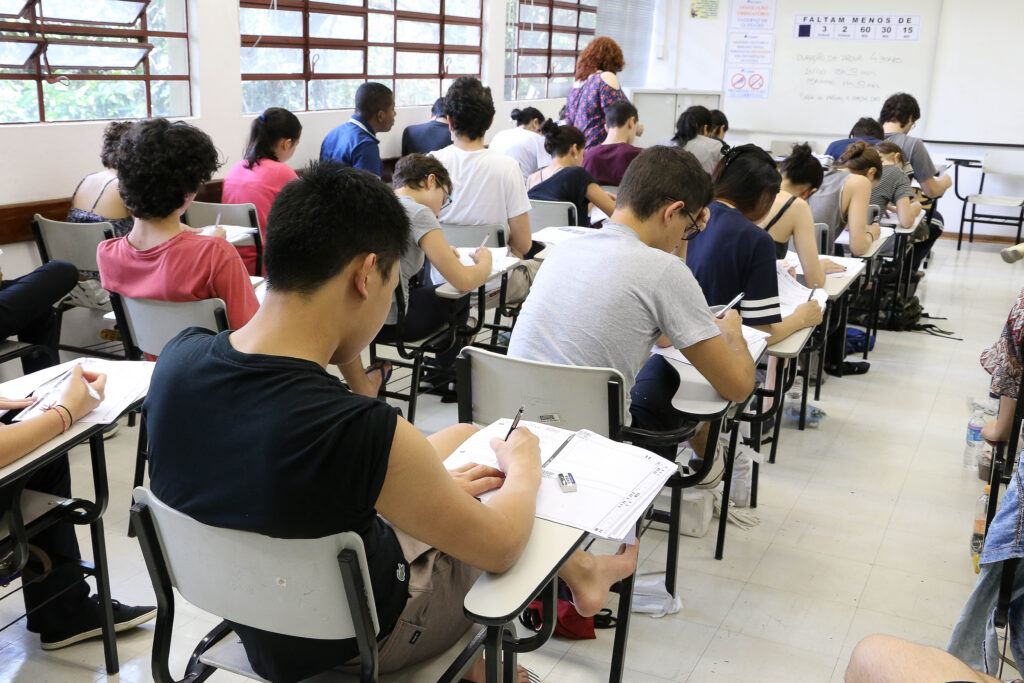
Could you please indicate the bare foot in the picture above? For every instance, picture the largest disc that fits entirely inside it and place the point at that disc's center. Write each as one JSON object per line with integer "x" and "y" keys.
{"x": 590, "y": 586}
{"x": 478, "y": 674}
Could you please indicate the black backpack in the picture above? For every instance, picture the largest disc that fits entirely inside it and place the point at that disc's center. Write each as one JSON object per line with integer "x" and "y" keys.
{"x": 901, "y": 313}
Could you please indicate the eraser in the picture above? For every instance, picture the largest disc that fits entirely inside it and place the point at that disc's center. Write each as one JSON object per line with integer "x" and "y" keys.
{"x": 567, "y": 482}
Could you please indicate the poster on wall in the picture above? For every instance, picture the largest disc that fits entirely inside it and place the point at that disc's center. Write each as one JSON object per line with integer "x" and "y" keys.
{"x": 750, "y": 49}
{"x": 704, "y": 9}
{"x": 902, "y": 27}
{"x": 752, "y": 15}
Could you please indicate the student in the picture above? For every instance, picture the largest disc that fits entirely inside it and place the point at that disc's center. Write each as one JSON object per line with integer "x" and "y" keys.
{"x": 58, "y": 603}
{"x": 355, "y": 142}
{"x": 900, "y": 113}
{"x": 734, "y": 256}
{"x": 26, "y": 309}
{"x": 488, "y": 186}
{"x": 692, "y": 130}
{"x": 318, "y": 459}
{"x": 604, "y": 299}
{"x": 845, "y": 193}
{"x": 595, "y": 89}
{"x": 608, "y": 161}
{"x": 426, "y": 137}
{"x": 258, "y": 178}
{"x": 894, "y": 189}
{"x": 719, "y": 127}
{"x": 524, "y": 143}
{"x": 565, "y": 180}
{"x": 161, "y": 166}
{"x": 866, "y": 129}
{"x": 791, "y": 217}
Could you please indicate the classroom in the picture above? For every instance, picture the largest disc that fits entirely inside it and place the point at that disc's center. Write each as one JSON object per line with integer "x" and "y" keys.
{"x": 505, "y": 341}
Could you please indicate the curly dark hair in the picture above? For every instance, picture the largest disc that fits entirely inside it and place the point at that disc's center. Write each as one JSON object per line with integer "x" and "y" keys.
{"x": 469, "y": 107}
{"x": 112, "y": 135}
{"x": 900, "y": 107}
{"x": 412, "y": 171}
{"x": 601, "y": 54}
{"x": 159, "y": 163}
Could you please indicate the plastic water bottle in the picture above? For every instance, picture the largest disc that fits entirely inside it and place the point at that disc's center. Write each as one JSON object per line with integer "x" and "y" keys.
{"x": 978, "y": 534}
{"x": 974, "y": 441}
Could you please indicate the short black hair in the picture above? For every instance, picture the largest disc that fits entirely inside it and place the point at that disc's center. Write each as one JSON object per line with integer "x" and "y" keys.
{"x": 618, "y": 114}
{"x": 718, "y": 120}
{"x": 266, "y": 130}
{"x": 690, "y": 124}
{"x": 900, "y": 108}
{"x": 867, "y": 127}
{"x": 527, "y": 115}
{"x": 661, "y": 175}
{"x": 159, "y": 163}
{"x": 331, "y": 215}
{"x": 558, "y": 140}
{"x": 412, "y": 171}
{"x": 746, "y": 177}
{"x": 373, "y": 97}
{"x": 438, "y": 108}
{"x": 112, "y": 135}
{"x": 469, "y": 107}
{"x": 801, "y": 167}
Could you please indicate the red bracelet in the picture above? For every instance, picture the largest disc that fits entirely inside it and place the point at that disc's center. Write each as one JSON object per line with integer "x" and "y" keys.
{"x": 63, "y": 422}
{"x": 71, "y": 420}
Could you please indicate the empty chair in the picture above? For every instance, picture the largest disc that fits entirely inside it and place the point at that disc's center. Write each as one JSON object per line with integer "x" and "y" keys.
{"x": 996, "y": 162}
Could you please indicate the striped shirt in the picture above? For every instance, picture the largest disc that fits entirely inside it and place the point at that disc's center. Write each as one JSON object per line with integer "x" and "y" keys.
{"x": 892, "y": 186}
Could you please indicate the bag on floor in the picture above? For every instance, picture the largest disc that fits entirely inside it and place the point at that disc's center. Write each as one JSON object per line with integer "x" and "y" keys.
{"x": 903, "y": 313}
{"x": 569, "y": 623}
{"x": 856, "y": 340}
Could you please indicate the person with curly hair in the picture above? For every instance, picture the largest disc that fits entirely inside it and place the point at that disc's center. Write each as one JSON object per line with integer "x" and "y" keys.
{"x": 596, "y": 87}
{"x": 161, "y": 167}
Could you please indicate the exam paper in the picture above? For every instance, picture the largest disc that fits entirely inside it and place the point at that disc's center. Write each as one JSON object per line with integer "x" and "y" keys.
{"x": 844, "y": 236}
{"x": 235, "y": 234}
{"x": 755, "y": 339}
{"x": 501, "y": 261}
{"x": 793, "y": 259}
{"x": 555, "y": 236}
{"x": 792, "y": 293}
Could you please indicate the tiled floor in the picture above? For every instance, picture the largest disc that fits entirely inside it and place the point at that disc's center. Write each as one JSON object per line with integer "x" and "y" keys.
{"x": 864, "y": 527}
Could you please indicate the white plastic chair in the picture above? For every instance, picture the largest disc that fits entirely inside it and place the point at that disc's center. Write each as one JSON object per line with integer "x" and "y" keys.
{"x": 202, "y": 214}
{"x": 995, "y": 162}
{"x": 147, "y": 324}
{"x": 546, "y": 214}
{"x": 474, "y": 235}
{"x": 72, "y": 242}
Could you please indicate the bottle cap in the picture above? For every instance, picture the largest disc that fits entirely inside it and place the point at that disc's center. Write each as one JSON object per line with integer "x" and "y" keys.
{"x": 987, "y": 488}
{"x": 979, "y": 413}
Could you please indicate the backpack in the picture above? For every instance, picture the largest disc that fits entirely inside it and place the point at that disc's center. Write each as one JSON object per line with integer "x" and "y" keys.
{"x": 902, "y": 313}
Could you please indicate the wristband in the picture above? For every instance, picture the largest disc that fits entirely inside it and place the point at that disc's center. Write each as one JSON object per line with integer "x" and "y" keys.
{"x": 71, "y": 420}
{"x": 63, "y": 422}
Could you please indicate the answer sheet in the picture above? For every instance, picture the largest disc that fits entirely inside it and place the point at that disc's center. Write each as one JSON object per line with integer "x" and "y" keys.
{"x": 755, "y": 339}
{"x": 792, "y": 293}
{"x": 848, "y": 262}
{"x": 235, "y": 234}
{"x": 501, "y": 261}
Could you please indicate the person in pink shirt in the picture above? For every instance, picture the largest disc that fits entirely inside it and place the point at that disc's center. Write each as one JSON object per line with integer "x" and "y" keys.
{"x": 161, "y": 165}
{"x": 258, "y": 178}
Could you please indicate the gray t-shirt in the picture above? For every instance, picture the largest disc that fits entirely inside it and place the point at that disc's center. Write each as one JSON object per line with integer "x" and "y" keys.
{"x": 421, "y": 221}
{"x": 604, "y": 299}
{"x": 707, "y": 150}
{"x": 916, "y": 153}
{"x": 892, "y": 186}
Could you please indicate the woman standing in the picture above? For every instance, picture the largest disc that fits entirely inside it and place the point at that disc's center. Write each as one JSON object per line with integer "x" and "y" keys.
{"x": 596, "y": 88}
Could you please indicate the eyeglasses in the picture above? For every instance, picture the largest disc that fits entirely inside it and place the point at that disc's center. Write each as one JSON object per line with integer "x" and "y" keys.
{"x": 447, "y": 200}
{"x": 693, "y": 230}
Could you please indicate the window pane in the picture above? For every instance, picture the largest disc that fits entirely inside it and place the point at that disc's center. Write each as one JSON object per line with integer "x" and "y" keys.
{"x": 336, "y": 61}
{"x": 421, "y": 6}
{"x": 333, "y": 94}
{"x": 260, "y": 95}
{"x": 564, "y": 17}
{"x": 533, "y": 39}
{"x": 380, "y": 61}
{"x": 533, "y": 65}
{"x": 90, "y": 10}
{"x": 265, "y": 22}
{"x": 457, "y": 34}
{"x": 533, "y": 13}
{"x": 416, "y": 63}
{"x": 166, "y": 15}
{"x": 381, "y": 28}
{"x": 588, "y": 19}
{"x": 340, "y": 26}
{"x": 462, "y": 8}
{"x": 20, "y": 104}
{"x": 563, "y": 41}
{"x": 15, "y": 52}
{"x": 82, "y": 100}
{"x": 559, "y": 87}
{"x": 531, "y": 88}
{"x": 445, "y": 84}
{"x": 350, "y": 3}
{"x": 94, "y": 56}
{"x": 563, "y": 65}
{"x": 418, "y": 32}
{"x": 412, "y": 91}
{"x": 583, "y": 41}
{"x": 169, "y": 57}
{"x": 170, "y": 98}
{"x": 510, "y": 88}
{"x": 11, "y": 6}
{"x": 382, "y": 4}
{"x": 271, "y": 60}
{"x": 462, "y": 64}
{"x": 591, "y": 3}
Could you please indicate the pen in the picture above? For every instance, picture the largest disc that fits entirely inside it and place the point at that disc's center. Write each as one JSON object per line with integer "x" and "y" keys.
{"x": 515, "y": 422}
{"x": 484, "y": 243}
{"x": 811, "y": 295}
{"x": 559, "y": 450}
{"x": 721, "y": 313}
{"x": 217, "y": 224}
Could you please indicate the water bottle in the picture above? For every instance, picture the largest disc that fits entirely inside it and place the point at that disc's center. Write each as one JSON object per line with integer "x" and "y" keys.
{"x": 978, "y": 534}
{"x": 974, "y": 441}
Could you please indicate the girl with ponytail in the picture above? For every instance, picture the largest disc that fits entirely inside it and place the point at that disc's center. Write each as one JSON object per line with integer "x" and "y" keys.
{"x": 845, "y": 193}
{"x": 263, "y": 171}
{"x": 523, "y": 143}
{"x": 565, "y": 180}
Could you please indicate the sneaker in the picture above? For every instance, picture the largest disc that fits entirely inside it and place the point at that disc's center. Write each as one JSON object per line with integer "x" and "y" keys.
{"x": 89, "y": 626}
{"x": 714, "y": 476}
{"x": 89, "y": 294}
{"x": 111, "y": 431}
{"x": 1012, "y": 254}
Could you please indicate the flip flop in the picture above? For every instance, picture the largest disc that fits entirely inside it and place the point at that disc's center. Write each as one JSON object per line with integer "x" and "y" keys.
{"x": 379, "y": 367}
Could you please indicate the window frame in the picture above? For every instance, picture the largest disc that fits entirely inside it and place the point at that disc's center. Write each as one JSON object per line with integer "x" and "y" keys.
{"x": 63, "y": 31}
{"x": 548, "y": 53}
{"x": 308, "y": 44}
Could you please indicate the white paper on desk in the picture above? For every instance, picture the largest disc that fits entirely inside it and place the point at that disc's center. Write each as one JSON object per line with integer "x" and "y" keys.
{"x": 236, "y": 234}
{"x": 615, "y": 482}
{"x": 501, "y": 261}
{"x": 792, "y": 293}
{"x": 755, "y": 344}
{"x": 848, "y": 262}
{"x": 127, "y": 382}
{"x": 558, "y": 235}
{"x": 844, "y": 236}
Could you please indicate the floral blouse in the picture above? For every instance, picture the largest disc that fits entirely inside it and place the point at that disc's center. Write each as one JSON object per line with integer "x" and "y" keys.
{"x": 586, "y": 105}
{"x": 1005, "y": 359}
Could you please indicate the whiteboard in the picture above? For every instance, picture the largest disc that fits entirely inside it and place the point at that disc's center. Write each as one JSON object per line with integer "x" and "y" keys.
{"x": 821, "y": 87}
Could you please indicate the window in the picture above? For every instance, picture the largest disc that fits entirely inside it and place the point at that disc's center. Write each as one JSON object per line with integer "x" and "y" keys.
{"x": 314, "y": 54}
{"x": 542, "y": 39}
{"x": 76, "y": 60}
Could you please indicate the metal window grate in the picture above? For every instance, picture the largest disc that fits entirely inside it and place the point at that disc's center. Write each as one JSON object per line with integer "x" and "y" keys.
{"x": 542, "y": 39}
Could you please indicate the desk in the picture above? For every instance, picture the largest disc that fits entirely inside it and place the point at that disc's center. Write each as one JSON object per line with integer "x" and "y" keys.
{"x": 838, "y": 290}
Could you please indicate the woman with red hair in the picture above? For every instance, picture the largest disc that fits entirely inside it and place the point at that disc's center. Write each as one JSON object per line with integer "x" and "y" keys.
{"x": 596, "y": 88}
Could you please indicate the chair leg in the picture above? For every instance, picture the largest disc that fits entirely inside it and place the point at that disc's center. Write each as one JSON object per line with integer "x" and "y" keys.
{"x": 492, "y": 654}
{"x": 672, "y": 553}
{"x": 414, "y": 388}
{"x": 963, "y": 219}
{"x": 625, "y": 591}
{"x": 723, "y": 517}
{"x": 141, "y": 457}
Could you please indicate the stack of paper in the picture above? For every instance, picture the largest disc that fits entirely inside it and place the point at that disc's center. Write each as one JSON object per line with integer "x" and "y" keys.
{"x": 793, "y": 259}
{"x": 236, "y": 234}
{"x": 554, "y": 236}
{"x": 792, "y": 293}
{"x": 755, "y": 339}
{"x": 127, "y": 382}
{"x": 615, "y": 482}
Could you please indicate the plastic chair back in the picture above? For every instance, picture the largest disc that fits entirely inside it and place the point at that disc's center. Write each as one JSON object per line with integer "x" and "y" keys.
{"x": 288, "y": 586}
{"x": 874, "y": 212}
{"x": 567, "y": 396}
{"x": 821, "y": 232}
{"x": 1004, "y": 162}
{"x": 151, "y": 324}
{"x": 473, "y": 235}
{"x": 202, "y": 214}
{"x": 545, "y": 214}
{"x": 72, "y": 242}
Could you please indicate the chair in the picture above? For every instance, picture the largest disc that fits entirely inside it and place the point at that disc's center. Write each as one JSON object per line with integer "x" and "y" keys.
{"x": 75, "y": 243}
{"x": 10, "y": 350}
{"x": 996, "y": 162}
{"x": 545, "y": 214}
{"x": 874, "y": 213}
{"x": 821, "y": 235}
{"x": 307, "y": 588}
{"x": 202, "y": 214}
